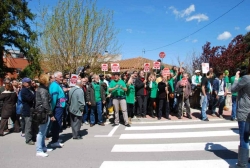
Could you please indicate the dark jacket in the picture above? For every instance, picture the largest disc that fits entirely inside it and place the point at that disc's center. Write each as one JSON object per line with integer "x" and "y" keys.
{"x": 9, "y": 104}
{"x": 140, "y": 90}
{"x": 216, "y": 84}
{"x": 28, "y": 99}
{"x": 43, "y": 99}
{"x": 162, "y": 91}
{"x": 187, "y": 90}
{"x": 91, "y": 94}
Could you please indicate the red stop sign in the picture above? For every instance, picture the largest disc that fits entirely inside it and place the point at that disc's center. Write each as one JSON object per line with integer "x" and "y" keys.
{"x": 162, "y": 54}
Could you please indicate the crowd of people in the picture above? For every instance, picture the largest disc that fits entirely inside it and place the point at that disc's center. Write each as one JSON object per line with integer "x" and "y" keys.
{"x": 42, "y": 108}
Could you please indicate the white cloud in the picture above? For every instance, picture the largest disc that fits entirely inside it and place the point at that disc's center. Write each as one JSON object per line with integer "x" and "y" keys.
{"x": 237, "y": 28}
{"x": 183, "y": 13}
{"x": 129, "y": 30}
{"x": 224, "y": 36}
{"x": 198, "y": 17}
{"x": 194, "y": 41}
{"x": 248, "y": 28}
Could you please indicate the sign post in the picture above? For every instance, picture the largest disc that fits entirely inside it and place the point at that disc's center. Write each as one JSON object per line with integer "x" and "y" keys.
{"x": 104, "y": 68}
{"x": 73, "y": 79}
{"x": 156, "y": 65}
{"x": 115, "y": 67}
{"x": 205, "y": 68}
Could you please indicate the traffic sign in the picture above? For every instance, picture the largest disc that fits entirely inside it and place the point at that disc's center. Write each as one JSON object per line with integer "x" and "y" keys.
{"x": 162, "y": 55}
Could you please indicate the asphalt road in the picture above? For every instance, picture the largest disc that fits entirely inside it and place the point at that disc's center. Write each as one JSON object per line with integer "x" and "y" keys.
{"x": 174, "y": 144}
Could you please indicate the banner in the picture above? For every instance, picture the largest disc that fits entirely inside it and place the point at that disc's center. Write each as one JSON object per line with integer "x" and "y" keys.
{"x": 115, "y": 67}
{"x": 205, "y": 67}
{"x": 105, "y": 67}
{"x": 146, "y": 67}
{"x": 73, "y": 79}
{"x": 156, "y": 65}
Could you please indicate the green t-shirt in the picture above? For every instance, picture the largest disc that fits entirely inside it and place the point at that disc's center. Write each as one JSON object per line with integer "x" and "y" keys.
{"x": 154, "y": 90}
{"x": 97, "y": 89}
{"x": 118, "y": 91}
{"x": 227, "y": 79}
{"x": 171, "y": 84}
{"x": 232, "y": 82}
{"x": 130, "y": 94}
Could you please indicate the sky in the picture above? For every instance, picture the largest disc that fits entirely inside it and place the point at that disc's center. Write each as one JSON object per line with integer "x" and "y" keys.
{"x": 153, "y": 25}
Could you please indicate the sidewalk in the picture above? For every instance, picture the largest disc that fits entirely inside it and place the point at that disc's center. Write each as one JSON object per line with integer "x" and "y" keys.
{"x": 195, "y": 113}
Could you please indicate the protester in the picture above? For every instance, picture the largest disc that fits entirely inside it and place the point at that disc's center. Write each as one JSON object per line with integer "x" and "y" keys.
{"x": 130, "y": 98}
{"x": 243, "y": 117}
{"x": 118, "y": 88}
{"x": 58, "y": 103}
{"x": 96, "y": 99}
{"x": 183, "y": 91}
{"x": 204, "y": 96}
{"x": 28, "y": 97}
{"x": 9, "y": 98}
{"x": 153, "y": 94}
{"x": 76, "y": 108}
{"x": 43, "y": 106}
{"x": 234, "y": 100}
{"x": 86, "y": 107}
{"x": 141, "y": 93}
{"x": 219, "y": 93}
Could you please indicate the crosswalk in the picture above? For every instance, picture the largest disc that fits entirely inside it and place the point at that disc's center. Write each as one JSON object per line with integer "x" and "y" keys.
{"x": 176, "y": 145}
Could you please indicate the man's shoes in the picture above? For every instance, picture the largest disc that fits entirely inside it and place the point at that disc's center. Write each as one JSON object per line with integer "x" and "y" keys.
{"x": 102, "y": 124}
{"x": 78, "y": 138}
{"x": 213, "y": 115}
{"x": 57, "y": 145}
{"x": 233, "y": 119}
{"x": 220, "y": 116}
{"x": 45, "y": 149}
{"x": 115, "y": 125}
{"x": 168, "y": 118}
{"x": 42, "y": 154}
{"x": 153, "y": 116}
{"x": 30, "y": 143}
{"x": 91, "y": 125}
{"x": 189, "y": 117}
{"x": 1, "y": 135}
{"x": 127, "y": 125}
{"x": 159, "y": 118}
{"x": 179, "y": 117}
{"x": 206, "y": 119}
{"x": 7, "y": 130}
{"x": 86, "y": 123}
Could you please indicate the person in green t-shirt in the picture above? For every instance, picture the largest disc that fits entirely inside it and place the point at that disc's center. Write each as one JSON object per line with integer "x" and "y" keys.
{"x": 118, "y": 89}
{"x": 234, "y": 100}
{"x": 130, "y": 97}
{"x": 96, "y": 99}
{"x": 153, "y": 86}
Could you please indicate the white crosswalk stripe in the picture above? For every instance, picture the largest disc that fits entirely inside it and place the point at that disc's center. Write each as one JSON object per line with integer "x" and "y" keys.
{"x": 202, "y": 139}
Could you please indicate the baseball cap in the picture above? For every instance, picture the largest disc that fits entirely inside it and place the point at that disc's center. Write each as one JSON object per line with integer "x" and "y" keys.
{"x": 26, "y": 80}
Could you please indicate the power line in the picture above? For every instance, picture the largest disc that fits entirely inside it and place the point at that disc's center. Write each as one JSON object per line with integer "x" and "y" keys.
{"x": 198, "y": 29}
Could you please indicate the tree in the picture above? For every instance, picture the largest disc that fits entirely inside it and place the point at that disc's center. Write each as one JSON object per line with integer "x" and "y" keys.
{"x": 223, "y": 58}
{"x": 15, "y": 31}
{"x": 76, "y": 34}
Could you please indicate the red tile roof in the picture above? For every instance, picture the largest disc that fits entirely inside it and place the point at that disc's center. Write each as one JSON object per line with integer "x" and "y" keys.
{"x": 16, "y": 63}
{"x": 137, "y": 63}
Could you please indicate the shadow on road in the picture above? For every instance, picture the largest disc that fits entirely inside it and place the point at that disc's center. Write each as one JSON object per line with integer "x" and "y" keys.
{"x": 222, "y": 152}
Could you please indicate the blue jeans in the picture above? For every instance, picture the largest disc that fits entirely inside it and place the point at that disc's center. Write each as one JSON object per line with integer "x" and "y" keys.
{"x": 85, "y": 114}
{"x": 204, "y": 104}
{"x": 56, "y": 125}
{"x": 234, "y": 107}
{"x": 98, "y": 107}
{"x": 221, "y": 102}
{"x": 244, "y": 134}
{"x": 40, "y": 137}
